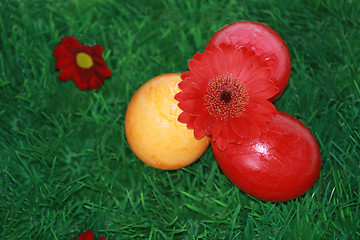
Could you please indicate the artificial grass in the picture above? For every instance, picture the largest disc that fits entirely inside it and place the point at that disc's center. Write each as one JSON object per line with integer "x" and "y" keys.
{"x": 66, "y": 166}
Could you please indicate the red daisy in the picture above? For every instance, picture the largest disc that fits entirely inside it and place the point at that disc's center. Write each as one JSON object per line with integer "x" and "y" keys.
{"x": 88, "y": 235}
{"x": 82, "y": 63}
{"x": 225, "y": 94}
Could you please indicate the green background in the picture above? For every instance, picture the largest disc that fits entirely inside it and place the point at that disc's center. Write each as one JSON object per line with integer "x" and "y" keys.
{"x": 66, "y": 167}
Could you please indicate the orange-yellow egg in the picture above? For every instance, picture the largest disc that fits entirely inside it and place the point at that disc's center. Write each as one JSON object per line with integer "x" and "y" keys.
{"x": 152, "y": 130}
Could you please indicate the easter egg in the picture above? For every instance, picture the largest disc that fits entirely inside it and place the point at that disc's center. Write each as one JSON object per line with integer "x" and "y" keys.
{"x": 152, "y": 130}
{"x": 264, "y": 41}
{"x": 280, "y": 165}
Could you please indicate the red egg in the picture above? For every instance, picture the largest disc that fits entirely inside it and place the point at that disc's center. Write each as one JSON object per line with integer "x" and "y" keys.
{"x": 280, "y": 165}
{"x": 264, "y": 41}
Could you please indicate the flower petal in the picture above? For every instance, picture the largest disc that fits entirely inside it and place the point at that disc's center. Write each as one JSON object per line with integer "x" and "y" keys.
{"x": 266, "y": 93}
{"x": 244, "y": 73}
{"x": 192, "y": 106}
{"x": 88, "y": 235}
{"x": 229, "y": 132}
{"x": 63, "y": 63}
{"x": 256, "y": 85}
{"x": 86, "y": 49}
{"x": 187, "y": 119}
{"x": 236, "y": 62}
{"x": 218, "y": 62}
{"x": 186, "y": 85}
{"x": 261, "y": 73}
{"x": 222, "y": 129}
{"x": 184, "y": 117}
{"x": 239, "y": 127}
{"x": 98, "y": 60}
{"x": 70, "y": 40}
{"x": 71, "y": 44}
{"x": 221, "y": 143}
{"x": 261, "y": 106}
{"x": 209, "y": 126}
{"x": 178, "y": 97}
{"x": 82, "y": 85}
{"x": 191, "y": 94}
{"x": 85, "y": 74}
{"x": 216, "y": 128}
{"x": 199, "y": 72}
{"x": 95, "y": 82}
{"x": 62, "y": 52}
{"x": 98, "y": 49}
{"x": 103, "y": 70}
{"x": 238, "y": 140}
{"x": 191, "y": 122}
{"x": 260, "y": 117}
{"x": 263, "y": 126}
{"x": 253, "y": 129}
{"x": 199, "y": 133}
{"x": 67, "y": 73}
{"x": 185, "y": 75}
{"x": 200, "y": 124}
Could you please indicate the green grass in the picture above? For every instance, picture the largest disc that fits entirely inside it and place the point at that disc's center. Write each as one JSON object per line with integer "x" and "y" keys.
{"x": 66, "y": 166}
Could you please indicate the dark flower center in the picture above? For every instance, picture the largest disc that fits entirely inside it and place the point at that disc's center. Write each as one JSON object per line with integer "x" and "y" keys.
{"x": 225, "y": 97}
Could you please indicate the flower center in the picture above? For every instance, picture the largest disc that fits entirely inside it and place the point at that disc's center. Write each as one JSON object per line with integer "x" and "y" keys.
{"x": 225, "y": 97}
{"x": 84, "y": 60}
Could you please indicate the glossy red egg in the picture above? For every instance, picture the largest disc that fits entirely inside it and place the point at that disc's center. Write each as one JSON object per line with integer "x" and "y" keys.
{"x": 264, "y": 41}
{"x": 280, "y": 165}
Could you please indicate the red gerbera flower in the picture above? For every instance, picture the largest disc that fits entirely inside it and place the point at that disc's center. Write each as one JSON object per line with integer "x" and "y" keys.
{"x": 82, "y": 63}
{"x": 88, "y": 235}
{"x": 225, "y": 94}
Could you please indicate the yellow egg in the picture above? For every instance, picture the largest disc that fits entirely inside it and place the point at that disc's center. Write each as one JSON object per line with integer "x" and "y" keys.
{"x": 152, "y": 130}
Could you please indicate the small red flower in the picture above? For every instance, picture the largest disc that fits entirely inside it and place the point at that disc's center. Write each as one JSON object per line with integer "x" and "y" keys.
{"x": 82, "y": 63}
{"x": 225, "y": 94}
{"x": 88, "y": 235}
